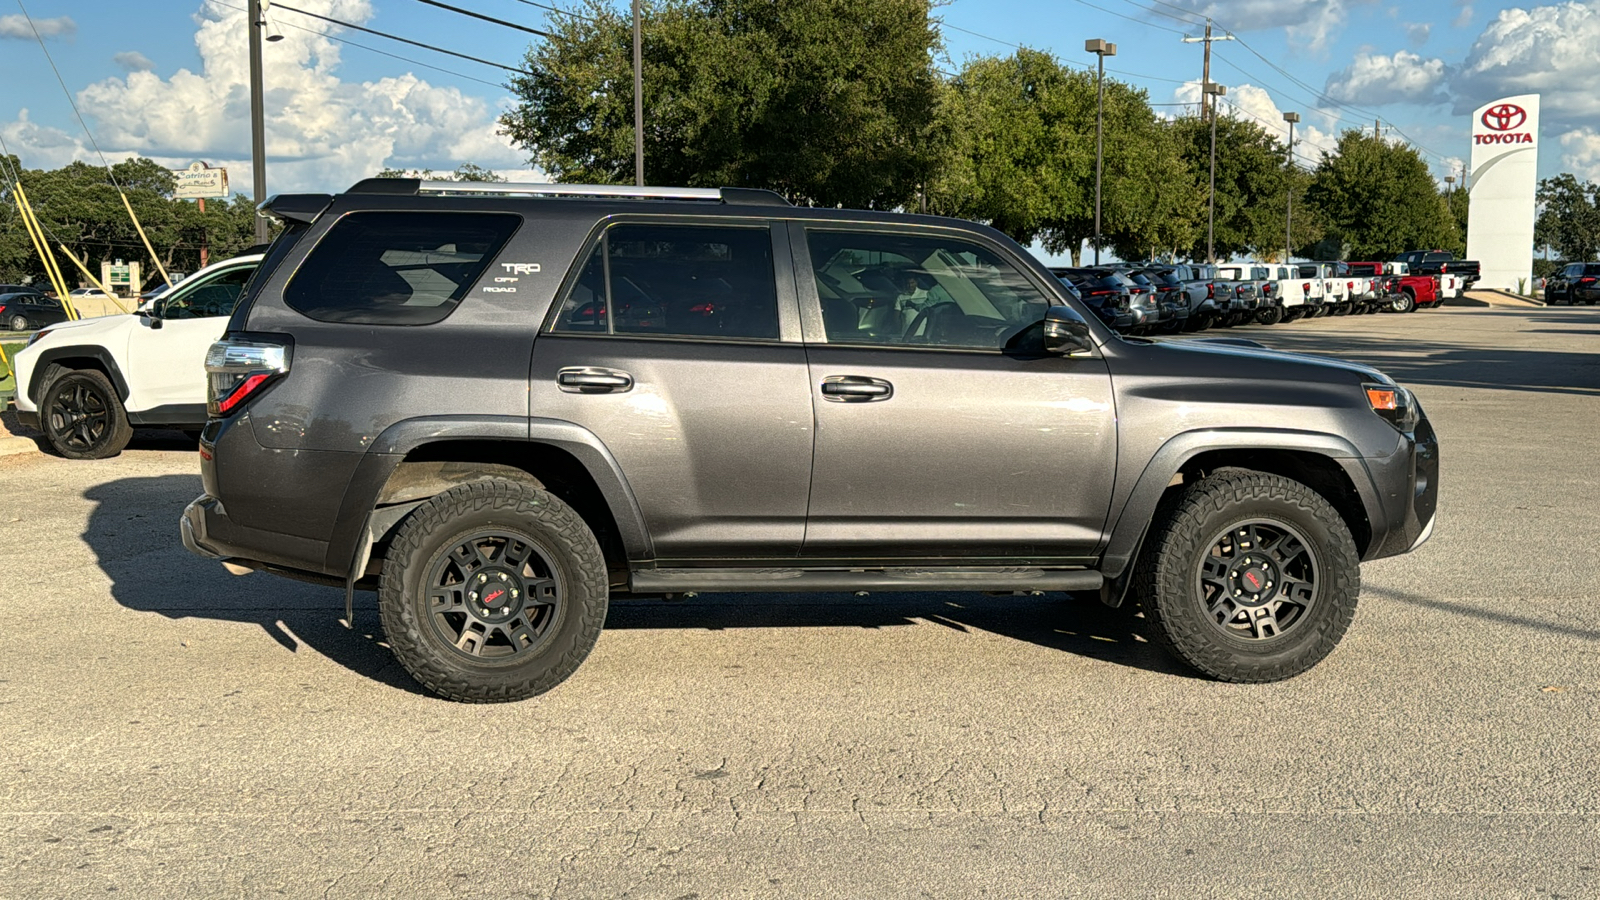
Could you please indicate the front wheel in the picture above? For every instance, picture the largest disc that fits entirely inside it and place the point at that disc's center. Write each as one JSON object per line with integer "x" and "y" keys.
{"x": 1248, "y": 576}
{"x": 493, "y": 591}
{"x": 82, "y": 416}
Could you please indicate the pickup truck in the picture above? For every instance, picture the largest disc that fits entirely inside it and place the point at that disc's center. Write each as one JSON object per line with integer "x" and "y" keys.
{"x": 1237, "y": 295}
{"x": 1404, "y": 291}
{"x": 1441, "y": 262}
{"x": 1289, "y": 293}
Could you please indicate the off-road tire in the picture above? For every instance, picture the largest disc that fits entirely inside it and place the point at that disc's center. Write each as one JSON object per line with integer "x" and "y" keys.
{"x": 1270, "y": 315}
{"x": 1167, "y": 580}
{"x": 81, "y": 415}
{"x": 19, "y": 323}
{"x": 557, "y": 532}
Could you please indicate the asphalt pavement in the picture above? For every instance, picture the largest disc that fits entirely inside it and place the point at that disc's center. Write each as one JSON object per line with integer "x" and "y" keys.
{"x": 169, "y": 730}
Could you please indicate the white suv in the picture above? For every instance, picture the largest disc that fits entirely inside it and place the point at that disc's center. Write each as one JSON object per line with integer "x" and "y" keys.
{"x": 87, "y": 384}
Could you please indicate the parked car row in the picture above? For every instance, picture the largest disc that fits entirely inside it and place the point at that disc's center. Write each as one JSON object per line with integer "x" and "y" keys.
{"x": 1168, "y": 298}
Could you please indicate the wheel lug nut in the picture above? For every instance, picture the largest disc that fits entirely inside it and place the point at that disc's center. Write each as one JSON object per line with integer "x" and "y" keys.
{"x": 515, "y": 593}
{"x": 482, "y": 578}
{"x": 473, "y": 595}
{"x": 502, "y": 576}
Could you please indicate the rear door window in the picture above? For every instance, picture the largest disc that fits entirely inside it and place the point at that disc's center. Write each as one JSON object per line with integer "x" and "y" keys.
{"x": 705, "y": 281}
{"x": 397, "y": 268}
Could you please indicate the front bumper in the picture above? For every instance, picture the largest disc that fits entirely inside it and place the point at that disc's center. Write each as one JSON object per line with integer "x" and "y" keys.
{"x": 1407, "y": 494}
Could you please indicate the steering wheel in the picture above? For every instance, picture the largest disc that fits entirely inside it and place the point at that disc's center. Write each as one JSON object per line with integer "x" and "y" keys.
{"x": 925, "y": 316}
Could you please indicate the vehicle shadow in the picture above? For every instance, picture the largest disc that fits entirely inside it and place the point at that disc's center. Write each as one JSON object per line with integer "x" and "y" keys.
{"x": 133, "y": 531}
{"x": 1414, "y": 361}
{"x": 133, "y": 527}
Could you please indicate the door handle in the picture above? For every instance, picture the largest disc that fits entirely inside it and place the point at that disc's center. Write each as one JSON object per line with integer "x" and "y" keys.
{"x": 855, "y": 389}
{"x": 593, "y": 380}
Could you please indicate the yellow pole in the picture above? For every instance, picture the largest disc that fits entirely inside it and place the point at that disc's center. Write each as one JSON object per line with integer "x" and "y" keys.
{"x": 31, "y": 223}
{"x": 93, "y": 280}
{"x": 5, "y": 360}
{"x": 140, "y": 228}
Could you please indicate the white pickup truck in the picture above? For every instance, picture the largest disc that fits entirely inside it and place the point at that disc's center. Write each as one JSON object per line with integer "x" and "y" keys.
{"x": 86, "y": 384}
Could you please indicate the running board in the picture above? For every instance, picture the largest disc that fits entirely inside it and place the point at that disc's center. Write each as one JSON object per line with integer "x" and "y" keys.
{"x": 670, "y": 581}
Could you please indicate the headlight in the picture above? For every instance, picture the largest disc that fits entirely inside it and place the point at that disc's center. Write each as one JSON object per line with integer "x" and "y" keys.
{"x": 1394, "y": 403}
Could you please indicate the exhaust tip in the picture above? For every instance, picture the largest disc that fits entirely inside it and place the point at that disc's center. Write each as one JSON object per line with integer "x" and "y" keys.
{"x": 235, "y": 567}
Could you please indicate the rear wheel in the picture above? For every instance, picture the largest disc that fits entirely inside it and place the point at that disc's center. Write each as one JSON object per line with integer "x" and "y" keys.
{"x": 1248, "y": 576}
{"x": 493, "y": 591}
{"x": 19, "y": 323}
{"x": 1404, "y": 302}
{"x": 82, "y": 416}
{"x": 1270, "y": 315}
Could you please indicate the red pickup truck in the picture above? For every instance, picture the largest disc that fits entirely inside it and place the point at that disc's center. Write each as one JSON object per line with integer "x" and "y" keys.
{"x": 1406, "y": 292}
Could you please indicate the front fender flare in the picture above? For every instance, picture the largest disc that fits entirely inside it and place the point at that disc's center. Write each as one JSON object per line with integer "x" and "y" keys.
{"x": 1133, "y": 520}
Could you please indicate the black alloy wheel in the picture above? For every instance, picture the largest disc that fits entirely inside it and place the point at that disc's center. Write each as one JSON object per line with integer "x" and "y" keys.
{"x": 1248, "y": 576}
{"x": 493, "y": 595}
{"x": 1258, "y": 581}
{"x": 82, "y": 416}
{"x": 493, "y": 591}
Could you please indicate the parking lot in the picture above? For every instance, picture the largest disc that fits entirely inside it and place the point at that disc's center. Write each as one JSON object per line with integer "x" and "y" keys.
{"x": 173, "y": 730}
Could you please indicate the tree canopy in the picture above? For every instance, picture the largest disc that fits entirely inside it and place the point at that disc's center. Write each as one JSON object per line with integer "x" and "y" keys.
{"x": 1376, "y": 198}
{"x": 1569, "y": 217}
{"x": 826, "y": 101}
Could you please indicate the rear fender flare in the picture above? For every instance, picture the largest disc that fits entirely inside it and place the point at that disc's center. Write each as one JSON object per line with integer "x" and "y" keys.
{"x": 358, "y": 511}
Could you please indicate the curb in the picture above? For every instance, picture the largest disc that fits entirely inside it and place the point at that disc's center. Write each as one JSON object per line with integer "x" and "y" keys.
{"x": 12, "y": 446}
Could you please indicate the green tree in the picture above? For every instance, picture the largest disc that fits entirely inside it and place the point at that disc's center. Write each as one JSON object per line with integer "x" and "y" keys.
{"x": 1569, "y": 217}
{"x": 465, "y": 172}
{"x": 1253, "y": 184}
{"x": 1377, "y": 198}
{"x": 1020, "y": 155}
{"x": 826, "y": 101}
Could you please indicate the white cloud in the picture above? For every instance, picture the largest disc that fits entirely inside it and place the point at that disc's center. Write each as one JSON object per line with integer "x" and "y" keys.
{"x": 1463, "y": 18}
{"x": 1418, "y": 33}
{"x": 1376, "y": 80}
{"x": 1580, "y": 153}
{"x": 1254, "y": 104}
{"x": 323, "y": 133}
{"x": 40, "y": 146}
{"x": 1553, "y": 51}
{"x": 16, "y": 26}
{"x": 1313, "y": 23}
{"x": 133, "y": 61}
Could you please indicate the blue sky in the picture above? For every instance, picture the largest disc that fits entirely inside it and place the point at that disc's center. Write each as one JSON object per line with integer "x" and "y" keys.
{"x": 165, "y": 78}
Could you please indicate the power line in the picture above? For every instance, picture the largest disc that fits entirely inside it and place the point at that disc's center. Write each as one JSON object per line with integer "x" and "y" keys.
{"x": 341, "y": 40}
{"x": 70, "y": 100}
{"x": 393, "y": 37}
{"x": 502, "y": 22}
{"x": 558, "y": 10}
{"x": 1129, "y": 18}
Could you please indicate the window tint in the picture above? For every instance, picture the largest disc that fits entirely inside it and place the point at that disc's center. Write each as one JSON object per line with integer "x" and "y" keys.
{"x": 397, "y": 268}
{"x": 897, "y": 290}
{"x": 676, "y": 280}
{"x": 215, "y": 296}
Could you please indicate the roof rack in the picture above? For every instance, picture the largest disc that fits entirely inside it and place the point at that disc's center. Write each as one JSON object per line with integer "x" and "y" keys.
{"x": 731, "y": 196}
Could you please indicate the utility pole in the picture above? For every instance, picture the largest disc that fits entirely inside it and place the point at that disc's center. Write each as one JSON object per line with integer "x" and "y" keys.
{"x": 1101, "y": 49}
{"x": 1213, "y": 90}
{"x": 1288, "y": 194}
{"x": 258, "y": 128}
{"x": 1205, "y": 77}
{"x": 638, "y": 101}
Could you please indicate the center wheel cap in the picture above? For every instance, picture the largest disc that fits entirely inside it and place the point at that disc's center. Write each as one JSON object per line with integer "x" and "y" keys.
{"x": 1253, "y": 581}
{"x": 495, "y": 595}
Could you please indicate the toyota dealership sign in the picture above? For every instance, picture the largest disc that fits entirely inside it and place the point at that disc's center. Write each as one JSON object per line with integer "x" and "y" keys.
{"x": 1505, "y": 163}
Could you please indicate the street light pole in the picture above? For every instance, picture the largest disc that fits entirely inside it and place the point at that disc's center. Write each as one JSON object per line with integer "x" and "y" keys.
{"x": 1214, "y": 91}
{"x": 1101, "y": 49}
{"x": 258, "y": 130}
{"x": 1288, "y": 194}
{"x": 638, "y": 101}
{"x": 1449, "y": 188}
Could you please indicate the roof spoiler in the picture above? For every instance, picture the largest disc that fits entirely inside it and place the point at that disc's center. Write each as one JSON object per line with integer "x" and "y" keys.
{"x": 414, "y": 186}
{"x": 305, "y": 208}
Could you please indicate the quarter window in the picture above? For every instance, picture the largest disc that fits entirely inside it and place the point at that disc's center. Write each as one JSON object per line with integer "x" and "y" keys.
{"x": 906, "y": 290}
{"x": 397, "y": 268}
{"x": 707, "y": 281}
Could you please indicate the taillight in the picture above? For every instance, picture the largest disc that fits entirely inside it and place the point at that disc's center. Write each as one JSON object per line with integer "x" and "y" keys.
{"x": 1588, "y": 280}
{"x": 236, "y": 370}
{"x": 1307, "y": 288}
{"x": 1211, "y": 292}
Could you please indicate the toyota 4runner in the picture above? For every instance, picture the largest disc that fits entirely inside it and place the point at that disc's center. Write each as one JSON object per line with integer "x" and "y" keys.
{"x": 501, "y": 405}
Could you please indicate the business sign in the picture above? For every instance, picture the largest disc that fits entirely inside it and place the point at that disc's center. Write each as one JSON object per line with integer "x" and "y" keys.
{"x": 201, "y": 182}
{"x": 1505, "y": 165}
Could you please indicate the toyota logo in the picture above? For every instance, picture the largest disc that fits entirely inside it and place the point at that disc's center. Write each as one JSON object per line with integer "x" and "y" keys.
{"x": 1504, "y": 117}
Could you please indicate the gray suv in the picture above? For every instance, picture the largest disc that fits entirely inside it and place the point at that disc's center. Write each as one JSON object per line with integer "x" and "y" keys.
{"x": 500, "y": 405}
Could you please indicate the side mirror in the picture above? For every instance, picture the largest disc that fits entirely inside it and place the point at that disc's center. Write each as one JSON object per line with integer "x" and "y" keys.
{"x": 1066, "y": 333}
{"x": 151, "y": 314}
